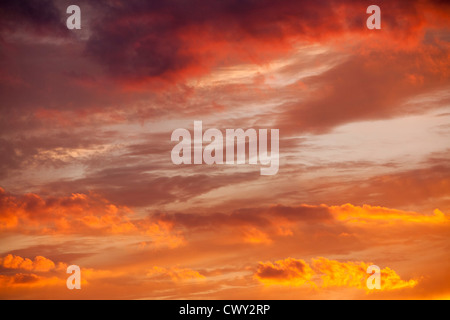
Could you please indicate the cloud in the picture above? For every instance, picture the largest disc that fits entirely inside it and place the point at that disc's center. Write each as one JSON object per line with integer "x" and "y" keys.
{"x": 366, "y": 213}
{"x": 85, "y": 130}
{"x": 175, "y": 273}
{"x": 38, "y": 17}
{"x": 92, "y": 215}
{"x": 422, "y": 187}
{"x": 351, "y": 232}
{"x": 354, "y": 274}
{"x": 28, "y": 281}
{"x": 172, "y": 45}
{"x": 44, "y": 273}
{"x": 324, "y": 273}
{"x": 384, "y": 88}
{"x": 163, "y": 233}
{"x": 253, "y": 235}
{"x": 31, "y": 213}
{"x": 170, "y": 40}
{"x": 39, "y": 272}
{"x": 144, "y": 184}
{"x": 79, "y": 214}
{"x": 289, "y": 271}
{"x": 40, "y": 263}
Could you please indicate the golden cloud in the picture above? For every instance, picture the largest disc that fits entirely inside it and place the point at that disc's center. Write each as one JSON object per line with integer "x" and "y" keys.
{"x": 357, "y": 214}
{"x": 325, "y": 273}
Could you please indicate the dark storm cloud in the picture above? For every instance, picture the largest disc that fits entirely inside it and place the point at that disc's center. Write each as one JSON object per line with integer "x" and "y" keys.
{"x": 137, "y": 39}
{"x": 40, "y": 16}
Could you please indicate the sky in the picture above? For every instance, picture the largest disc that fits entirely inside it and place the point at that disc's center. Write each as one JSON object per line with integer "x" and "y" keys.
{"x": 86, "y": 176}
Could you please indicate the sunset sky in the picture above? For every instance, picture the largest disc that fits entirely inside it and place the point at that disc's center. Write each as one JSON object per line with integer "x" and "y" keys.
{"x": 86, "y": 176}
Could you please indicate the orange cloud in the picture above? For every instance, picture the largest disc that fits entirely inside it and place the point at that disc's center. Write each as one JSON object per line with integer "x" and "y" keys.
{"x": 85, "y": 214}
{"x": 354, "y": 274}
{"x": 324, "y": 273}
{"x": 356, "y": 214}
{"x": 291, "y": 272}
{"x": 163, "y": 233}
{"x": 40, "y": 263}
{"x": 322, "y": 230}
{"x": 40, "y": 272}
{"x": 21, "y": 280}
{"x": 80, "y": 214}
{"x": 253, "y": 235}
{"x": 30, "y": 213}
{"x": 175, "y": 273}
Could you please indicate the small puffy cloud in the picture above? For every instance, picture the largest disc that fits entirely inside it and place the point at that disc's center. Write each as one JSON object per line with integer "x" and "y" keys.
{"x": 39, "y": 264}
